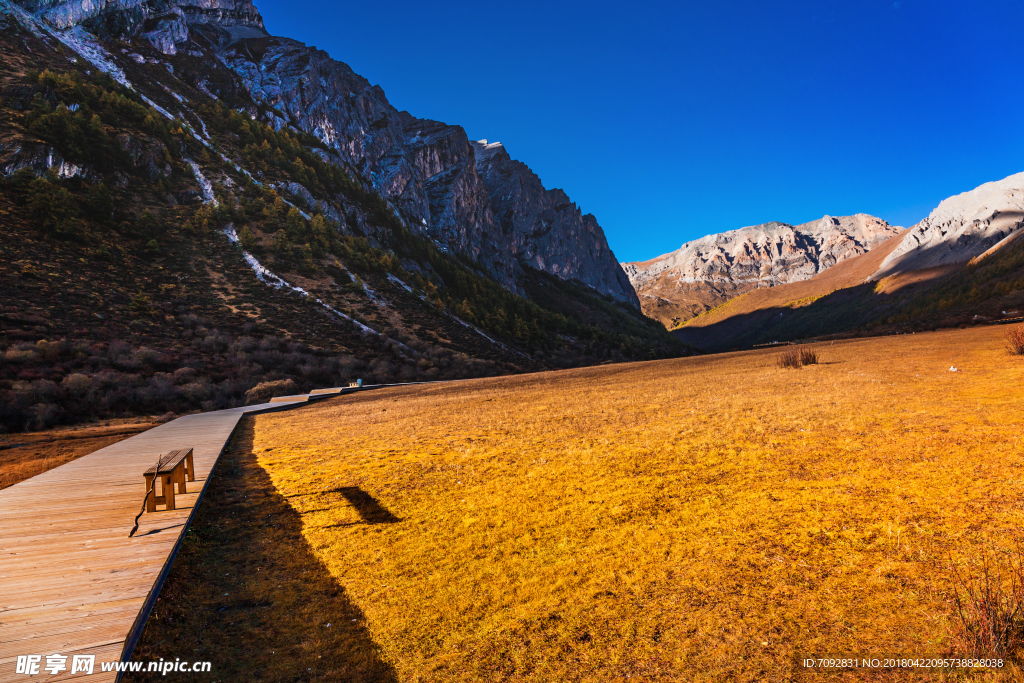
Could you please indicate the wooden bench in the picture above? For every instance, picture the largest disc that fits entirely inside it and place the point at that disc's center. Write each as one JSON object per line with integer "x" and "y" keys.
{"x": 175, "y": 468}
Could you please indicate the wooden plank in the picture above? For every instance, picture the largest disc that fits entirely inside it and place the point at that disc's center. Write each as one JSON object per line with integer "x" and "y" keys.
{"x": 72, "y": 581}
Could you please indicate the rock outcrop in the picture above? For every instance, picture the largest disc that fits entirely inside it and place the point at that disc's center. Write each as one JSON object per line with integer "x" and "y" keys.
{"x": 471, "y": 198}
{"x": 711, "y": 270}
{"x": 546, "y": 229}
{"x": 129, "y": 15}
{"x": 961, "y": 228}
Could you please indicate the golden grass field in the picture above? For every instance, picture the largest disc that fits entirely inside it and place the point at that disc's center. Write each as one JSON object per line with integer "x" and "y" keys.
{"x": 703, "y": 519}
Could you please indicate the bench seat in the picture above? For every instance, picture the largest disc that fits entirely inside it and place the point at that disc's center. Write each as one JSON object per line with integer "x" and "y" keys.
{"x": 175, "y": 468}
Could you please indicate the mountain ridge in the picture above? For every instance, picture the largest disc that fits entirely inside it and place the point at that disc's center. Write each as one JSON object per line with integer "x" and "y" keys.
{"x": 963, "y": 264}
{"x": 961, "y": 227}
{"x": 157, "y": 218}
{"x": 425, "y": 168}
{"x": 706, "y": 272}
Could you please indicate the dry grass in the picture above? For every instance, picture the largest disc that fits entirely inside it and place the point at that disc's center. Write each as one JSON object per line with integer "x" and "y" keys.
{"x": 703, "y": 519}
{"x": 25, "y": 455}
{"x": 789, "y": 358}
{"x": 250, "y": 596}
{"x": 1015, "y": 340}
{"x": 989, "y": 600}
{"x": 797, "y": 358}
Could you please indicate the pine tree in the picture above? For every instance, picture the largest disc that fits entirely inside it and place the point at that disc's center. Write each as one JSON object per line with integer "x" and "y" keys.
{"x": 281, "y": 243}
{"x": 295, "y": 224}
{"x": 247, "y": 239}
{"x": 147, "y": 226}
{"x": 54, "y": 209}
{"x": 140, "y": 304}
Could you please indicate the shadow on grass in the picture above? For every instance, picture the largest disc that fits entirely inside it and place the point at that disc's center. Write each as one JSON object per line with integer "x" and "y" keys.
{"x": 367, "y": 506}
{"x": 247, "y": 594}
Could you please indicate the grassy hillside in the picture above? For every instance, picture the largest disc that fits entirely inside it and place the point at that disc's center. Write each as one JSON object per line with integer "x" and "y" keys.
{"x": 123, "y": 295}
{"x": 701, "y": 519}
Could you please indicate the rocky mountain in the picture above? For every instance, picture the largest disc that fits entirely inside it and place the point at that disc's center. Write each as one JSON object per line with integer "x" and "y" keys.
{"x": 428, "y": 170}
{"x": 547, "y": 231}
{"x": 961, "y": 228}
{"x": 193, "y": 208}
{"x": 962, "y": 265}
{"x": 709, "y": 271}
{"x": 129, "y": 17}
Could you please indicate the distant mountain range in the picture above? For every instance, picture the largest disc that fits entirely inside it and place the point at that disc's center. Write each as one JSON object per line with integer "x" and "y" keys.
{"x": 964, "y": 263}
{"x": 711, "y": 270}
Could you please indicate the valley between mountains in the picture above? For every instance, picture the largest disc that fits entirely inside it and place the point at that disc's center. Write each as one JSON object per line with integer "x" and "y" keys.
{"x": 632, "y": 482}
{"x": 194, "y": 208}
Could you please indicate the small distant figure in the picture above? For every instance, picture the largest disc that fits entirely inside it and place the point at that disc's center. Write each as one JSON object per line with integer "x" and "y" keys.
{"x": 953, "y": 369}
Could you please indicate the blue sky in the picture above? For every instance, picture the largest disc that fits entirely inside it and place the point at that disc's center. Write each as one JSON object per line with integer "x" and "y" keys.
{"x": 669, "y": 121}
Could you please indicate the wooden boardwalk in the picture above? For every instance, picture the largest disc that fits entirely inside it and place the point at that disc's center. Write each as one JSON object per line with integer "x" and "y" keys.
{"x": 71, "y": 581}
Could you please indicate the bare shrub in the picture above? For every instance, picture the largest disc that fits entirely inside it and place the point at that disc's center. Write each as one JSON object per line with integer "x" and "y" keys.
{"x": 18, "y": 355}
{"x": 1015, "y": 340}
{"x": 196, "y": 392}
{"x": 183, "y": 375}
{"x": 44, "y": 415}
{"x": 77, "y": 384}
{"x": 989, "y": 607}
{"x": 808, "y": 357}
{"x": 147, "y": 356}
{"x": 789, "y": 359}
{"x": 264, "y": 391}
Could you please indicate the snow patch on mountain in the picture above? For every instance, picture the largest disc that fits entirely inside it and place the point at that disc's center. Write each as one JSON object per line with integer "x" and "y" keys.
{"x": 207, "y": 186}
{"x": 268, "y": 278}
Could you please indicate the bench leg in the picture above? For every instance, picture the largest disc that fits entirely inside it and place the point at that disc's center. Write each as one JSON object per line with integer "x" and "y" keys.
{"x": 179, "y": 474}
{"x": 191, "y": 467}
{"x": 151, "y": 500}
{"x": 168, "y": 480}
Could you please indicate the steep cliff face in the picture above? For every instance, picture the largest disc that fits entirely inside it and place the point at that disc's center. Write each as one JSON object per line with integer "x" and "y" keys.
{"x": 961, "y": 228}
{"x": 470, "y": 197}
{"x": 486, "y": 207}
{"x": 130, "y": 14}
{"x": 425, "y": 168}
{"x": 546, "y": 229}
{"x": 711, "y": 270}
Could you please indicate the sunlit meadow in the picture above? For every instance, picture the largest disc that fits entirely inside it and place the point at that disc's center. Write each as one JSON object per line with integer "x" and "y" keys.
{"x": 709, "y": 518}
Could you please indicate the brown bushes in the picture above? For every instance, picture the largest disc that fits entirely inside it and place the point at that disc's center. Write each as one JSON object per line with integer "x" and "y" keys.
{"x": 789, "y": 359}
{"x": 988, "y": 618}
{"x": 264, "y": 391}
{"x": 1015, "y": 340}
{"x": 793, "y": 358}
